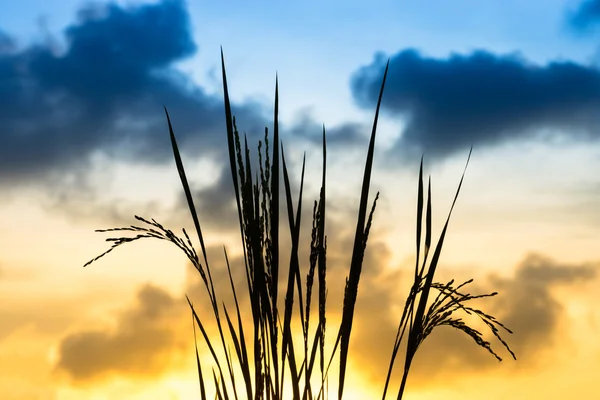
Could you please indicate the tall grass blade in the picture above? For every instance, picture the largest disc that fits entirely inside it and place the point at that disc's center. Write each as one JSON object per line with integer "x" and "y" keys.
{"x": 409, "y": 304}
{"x": 186, "y": 187}
{"x": 351, "y": 289}
{"x": 419, "y": 216}
{"x": 242, "y": 352}
{"x": 294, "y": 272}
{"x": 207, "y": 341}
{"x": 321, "y": 268}
{"x": 416, "y": 333}
{"x": 232, "y": 163}
{"x": 218, "y": 387}
{"x": 274, "y": 235}
{"x": 190, "y": 201}
{"x": 200, "y": 377}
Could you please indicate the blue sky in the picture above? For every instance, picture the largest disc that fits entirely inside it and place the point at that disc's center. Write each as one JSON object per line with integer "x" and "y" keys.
{"x": 476, "y": 47}
{"x": 84, "y": 145}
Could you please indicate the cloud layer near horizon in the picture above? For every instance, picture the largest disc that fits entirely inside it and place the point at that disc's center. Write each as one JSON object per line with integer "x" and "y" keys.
{"x": 147, "y": 341}
{"x": 151, "y": 333}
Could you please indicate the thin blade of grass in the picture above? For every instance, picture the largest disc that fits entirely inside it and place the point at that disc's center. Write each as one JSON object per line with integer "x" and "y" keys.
{"x": 244, "y": 363}
{"x": 410, "y": 301}
{"x": 194, "y": 214}
{"x": 416, "y": 332}
{"x": 419, "y": 216}
{"x": 321, "y": 266}
{"x": 357, "y": 252}
{"x": 207, "y": 341}
{"x": 186, "y": 186}
{"x": 238, "y": 350}
{"x": 293, "y": 272}
{"x": 232, "y": 162}
{"x": 297, "y": 233}
{"x": 218, "y": 387}
{"x": 311, "y": 361}
{"x": 200, "y": 377}
{"x": 428, "y": 231}
{"x": 274, "y": 220}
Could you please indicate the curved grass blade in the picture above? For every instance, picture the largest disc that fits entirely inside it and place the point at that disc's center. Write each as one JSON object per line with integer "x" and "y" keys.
{"x": 190, "y": 201}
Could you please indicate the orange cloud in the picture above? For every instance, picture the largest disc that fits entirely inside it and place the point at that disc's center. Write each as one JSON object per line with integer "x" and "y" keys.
{"x": 526, "y": 304}
{"x": 144, "y": 342}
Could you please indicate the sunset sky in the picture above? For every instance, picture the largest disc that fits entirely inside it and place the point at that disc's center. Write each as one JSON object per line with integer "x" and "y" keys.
{"x": 84, "y": 145}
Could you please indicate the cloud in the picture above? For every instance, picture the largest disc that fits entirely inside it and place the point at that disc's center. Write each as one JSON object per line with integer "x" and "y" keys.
{"x": 528, "y": 303}
{"x": 6, "y": 42}
{"x": 104, "y": 92}
{"x": 143, "y": 343}
{"x": 479, "y": 99}
{"x": 585, "y": 17}
{"x": 215, "y": 204}
{"x": 525, "y": 304}
{"x": 347, "y": 133}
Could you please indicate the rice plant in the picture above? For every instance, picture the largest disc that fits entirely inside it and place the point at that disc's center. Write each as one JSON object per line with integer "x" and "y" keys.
{"x": 267, "y": 354}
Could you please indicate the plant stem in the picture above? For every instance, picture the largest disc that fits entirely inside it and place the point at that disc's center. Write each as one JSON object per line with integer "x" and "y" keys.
{"x": 403, "y": 384}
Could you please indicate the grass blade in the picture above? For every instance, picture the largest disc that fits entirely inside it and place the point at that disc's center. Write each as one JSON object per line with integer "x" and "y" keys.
{"x": 321, "y": 266}
{"x": 200, "y": 377}
{"x": 351, "y": 290}
{"x": 243, "y": 354}
{"x": 207, "y": 341}
{"x": 292, "y": 275}
{"x": 416, "y": 332}
{"x": 274, "y": 234}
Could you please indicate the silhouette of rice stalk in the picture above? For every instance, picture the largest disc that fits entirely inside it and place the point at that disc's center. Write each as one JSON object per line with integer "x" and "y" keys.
{"x": 274, "y": 351}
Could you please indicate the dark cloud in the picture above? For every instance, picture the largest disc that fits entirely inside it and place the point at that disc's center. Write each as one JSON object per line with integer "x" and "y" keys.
{"x": 104, "y": 92}
{"x": 585, "y": 17}
{"x": 480, "y": 99}
{"x": 142, "y": 343}
{"x": 6, "y": 42}
{"x": 349, "y": 133}
{"x": 215, "y": 204}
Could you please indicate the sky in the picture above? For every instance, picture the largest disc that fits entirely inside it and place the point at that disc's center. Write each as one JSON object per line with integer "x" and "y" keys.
{"x": 84, "y": 145}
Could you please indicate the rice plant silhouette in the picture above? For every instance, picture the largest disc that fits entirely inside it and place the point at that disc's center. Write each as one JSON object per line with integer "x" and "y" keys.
{"x": 274, "y": 353}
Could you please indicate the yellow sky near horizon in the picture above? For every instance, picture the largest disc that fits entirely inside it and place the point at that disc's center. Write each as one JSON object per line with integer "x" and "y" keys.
{"x": 120, "y": 328}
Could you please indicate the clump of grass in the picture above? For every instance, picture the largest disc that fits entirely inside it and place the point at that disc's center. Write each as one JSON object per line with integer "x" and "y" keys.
{"x": 274, "y": 355}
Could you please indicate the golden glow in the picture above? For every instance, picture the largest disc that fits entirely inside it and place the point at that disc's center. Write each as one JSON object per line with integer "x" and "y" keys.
{"x": 47, "y": 297}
